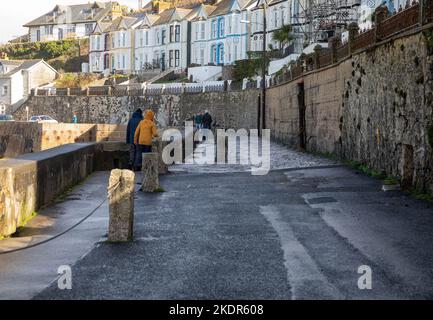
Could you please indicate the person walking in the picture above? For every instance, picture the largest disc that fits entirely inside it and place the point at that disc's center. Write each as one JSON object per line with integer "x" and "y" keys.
{"x": 75, "y": 118}
{"x": 143, "y": 136}
{"x": 207, "y": 120}
{"x": 136, "y": 118}
{"x": 207, "y": 124}
{"x": 198, "y": 120}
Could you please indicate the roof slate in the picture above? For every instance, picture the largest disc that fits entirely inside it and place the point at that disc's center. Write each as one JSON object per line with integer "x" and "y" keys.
{"x": 80, "y": 13}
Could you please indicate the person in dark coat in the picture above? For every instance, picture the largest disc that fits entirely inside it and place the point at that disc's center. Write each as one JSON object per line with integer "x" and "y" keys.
{"x": 133, "y": 123}
{"x": 207, "y": 120}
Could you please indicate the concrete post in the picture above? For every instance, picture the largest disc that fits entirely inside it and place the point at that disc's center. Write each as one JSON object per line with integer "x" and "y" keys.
{"x": 158, "y": 147}
{"x": 422, "y": 8}
{"x": 353, "y": 32}
{"x": 150, "y": 180}
{"x": 381, "y": 14}
{"x": 121, "y": 205}
{"x": 333, "y": 44}
{"x": 317, "y": 50}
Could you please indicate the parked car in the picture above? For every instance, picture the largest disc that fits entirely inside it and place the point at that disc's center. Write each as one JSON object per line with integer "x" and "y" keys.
{"x": 43, "y": 119}
{"x": 6, "y": 117}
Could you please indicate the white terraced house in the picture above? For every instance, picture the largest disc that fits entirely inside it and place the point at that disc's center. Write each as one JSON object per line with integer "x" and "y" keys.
{"x": 171, "y": 38}
{"x": 112, "y": 46}
{"x": 73, "y": 21}
{"x": 218, "y": 36}
{"x": 196, "y": 34}
{"x": 279, "y": 13}
{"x": 147, "y": 52}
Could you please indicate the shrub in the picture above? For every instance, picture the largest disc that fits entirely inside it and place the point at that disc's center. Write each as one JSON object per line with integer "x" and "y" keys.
{"x": 71, "y": 80}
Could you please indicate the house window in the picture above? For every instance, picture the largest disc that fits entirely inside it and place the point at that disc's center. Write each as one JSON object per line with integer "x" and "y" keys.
{"x": 163, "y": 36}
{"x": 176, "y": 58}
{"x": 124, "y": 39}
{"x": 38, "y": 35}
{"x": 221, "y": 27}
{"x": 141, "y": 39}
{"x": 171, "y": 33}
{"x": 221, "y": 54}
{"x": 282, "y": 16}
{"x": 213, "y": 57}
{"x": 235, "y": 24}
{"x": 158, "y": 38}
{"x": 112, "y": 62}
{"x": 170, "y": 58}
{"x": 5, "y": 91}
{"x": 177, "y": 34}
{"x": 214, "y": 29}
{"x": 197, "y": 30}
{"x": 147, "y": 37}
{"x": 49, "y": 30}
{"x": 202, "y": 57}
{"x": 61, "y": 34}
{"x": 89, "y": 28}
{"x": 71, "y": 29}
{"x": 275, "y": 18}
{"x": 235, "y": 53}
{"x": 98, "y": 43}
{"x": 2, "y": 109}
{"x": 202, "y": 31}
{"x": 123, "y": 61}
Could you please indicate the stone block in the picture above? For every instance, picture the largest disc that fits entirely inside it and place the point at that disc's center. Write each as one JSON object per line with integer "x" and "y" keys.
{"x": 150, "y": 181}
{"x": 121, "y": 205}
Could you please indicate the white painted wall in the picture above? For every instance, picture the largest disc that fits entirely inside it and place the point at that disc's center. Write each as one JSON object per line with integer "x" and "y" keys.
{"x": 204, "y": 73}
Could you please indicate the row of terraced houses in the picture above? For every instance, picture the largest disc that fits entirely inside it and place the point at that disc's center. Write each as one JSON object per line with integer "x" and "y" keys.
{"x": 208, "y": 33}
{"x": 176, "y": 34}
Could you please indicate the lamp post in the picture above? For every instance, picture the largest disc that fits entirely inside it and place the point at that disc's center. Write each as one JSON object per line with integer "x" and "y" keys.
{"x": 264, "y": 67}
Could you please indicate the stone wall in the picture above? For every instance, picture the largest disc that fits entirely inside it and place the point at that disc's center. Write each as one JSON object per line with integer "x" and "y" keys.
{"x": 323, "y": 103}
{"x": 374, "y": 107}
{"x": 388, "y": 110}
{"x": 283, "y": 113}
{"x": 18, "y": 138}
{"x": 34, "y": 180}
{"x": 229, "y": 109}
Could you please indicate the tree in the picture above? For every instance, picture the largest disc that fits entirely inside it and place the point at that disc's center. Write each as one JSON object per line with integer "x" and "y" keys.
{"x": 283, "y": 35}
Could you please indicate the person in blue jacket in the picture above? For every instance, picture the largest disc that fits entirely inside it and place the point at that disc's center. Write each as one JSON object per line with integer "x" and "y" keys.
{"x": 133, "y": 123}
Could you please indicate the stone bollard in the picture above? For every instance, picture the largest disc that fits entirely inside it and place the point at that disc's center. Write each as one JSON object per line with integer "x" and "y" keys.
{"x": 121, "y": 205}
{"x": 150, "y": 181}
{"x": 158, "y": 147}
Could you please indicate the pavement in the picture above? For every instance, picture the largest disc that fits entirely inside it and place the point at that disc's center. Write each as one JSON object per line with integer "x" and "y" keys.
{"x": 296, "y": 233}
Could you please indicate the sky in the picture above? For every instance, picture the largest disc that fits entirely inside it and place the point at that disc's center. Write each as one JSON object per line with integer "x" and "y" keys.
{"x": 15, "y": 13}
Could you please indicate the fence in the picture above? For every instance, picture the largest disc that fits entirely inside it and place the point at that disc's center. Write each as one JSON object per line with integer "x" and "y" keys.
{"x": 148, "y": 89}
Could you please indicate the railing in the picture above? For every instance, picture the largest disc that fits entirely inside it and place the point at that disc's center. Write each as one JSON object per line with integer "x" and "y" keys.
{"x": 398, "y": 22}
{"x": 325, "y": 59}
{"x": 364, "y": 40}
{"x": 146, "y": 89}
{"x": 342, "y": 52}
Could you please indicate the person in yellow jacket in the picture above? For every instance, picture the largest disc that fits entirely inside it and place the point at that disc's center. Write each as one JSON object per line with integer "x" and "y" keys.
{"x": 143, "y": 136}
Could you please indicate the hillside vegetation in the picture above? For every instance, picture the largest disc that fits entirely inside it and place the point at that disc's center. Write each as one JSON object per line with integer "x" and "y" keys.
{"x": 66, "y": 55}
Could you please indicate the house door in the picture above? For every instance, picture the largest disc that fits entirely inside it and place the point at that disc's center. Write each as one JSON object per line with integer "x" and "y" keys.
{"x": 302, "y": 123}
{"x": 163, "y": 61}
{"x": 106, "y": 61}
